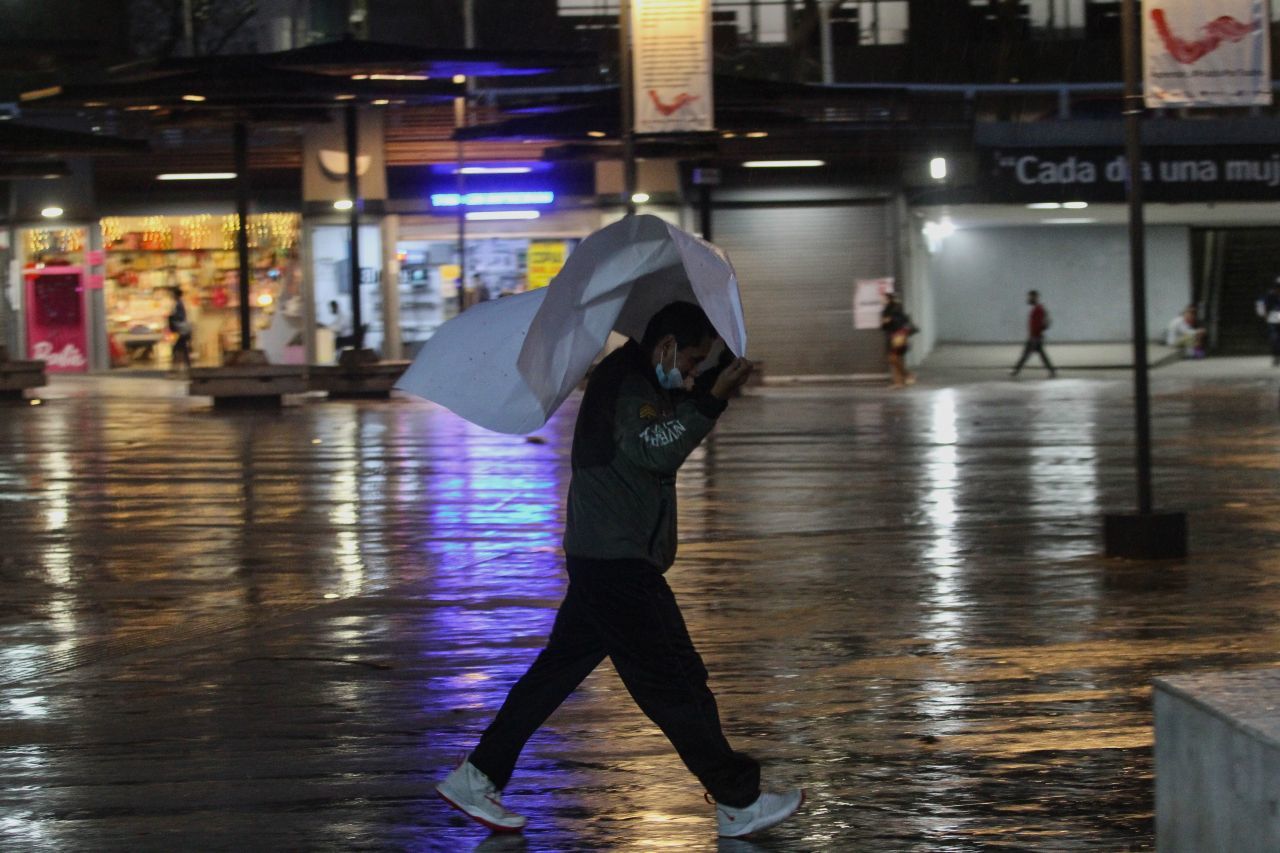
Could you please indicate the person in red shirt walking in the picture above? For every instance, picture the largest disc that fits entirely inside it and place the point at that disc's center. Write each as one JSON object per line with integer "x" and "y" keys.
{"x": 1037, "y": 322}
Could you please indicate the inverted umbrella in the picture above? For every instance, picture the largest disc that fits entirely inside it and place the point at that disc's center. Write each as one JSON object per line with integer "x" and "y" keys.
{"x": 508, "y": 364}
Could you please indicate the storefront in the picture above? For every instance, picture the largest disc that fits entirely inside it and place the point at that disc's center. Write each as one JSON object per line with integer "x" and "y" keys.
{"x": 1053, "y": 219}
{"x": 147, "y": 257}
{"x": 519, "y": 223}
{"x": 801, "y": 239}
{"x": 53, "y": 291}
{"x": 496, "y": 267}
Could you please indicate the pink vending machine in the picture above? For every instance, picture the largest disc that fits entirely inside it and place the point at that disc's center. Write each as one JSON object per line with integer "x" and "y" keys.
{"x": 56, "y": 315}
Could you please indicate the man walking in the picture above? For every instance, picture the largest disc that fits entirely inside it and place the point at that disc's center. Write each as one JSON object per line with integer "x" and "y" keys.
{"x": 640, "y": 419}
{"x": 1037, "y": 323}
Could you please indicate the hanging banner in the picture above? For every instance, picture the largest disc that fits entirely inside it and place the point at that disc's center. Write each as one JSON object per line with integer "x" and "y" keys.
{"x": 1206, "y": 53}
{"x": 671, "y": 67}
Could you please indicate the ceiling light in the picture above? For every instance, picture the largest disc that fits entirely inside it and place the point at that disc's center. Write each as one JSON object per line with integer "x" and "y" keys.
{"x": 938, "y": 168}
{"x": 597, "y": 134}
{"x": 195, "y": 99}
{"x": 1075, "y": 205}
{"x": 459, "y": 79}
{"x": 359, "y": 76}
{"x": 783, "y": 164}
{"x": 381, "y": 102}
{"x": 757, "y": 134}
{"x": 1070, "y": 221}
{"x": 493, "y": 170}
{"x": 495, "y": 215}
{"x": 195, "y": 176}
{"x": 494, "y": 199}
{"x": 397, "y": 77}
{"x": 1045, "y": 205}
{"x": 344, "y": 97}
{"x": 940, "y": 230}
{"x": 639, "y": 198}
{"x": 729, "y": 135}
{"x": 343, "y": 204}
{"x": 51, "y": 212}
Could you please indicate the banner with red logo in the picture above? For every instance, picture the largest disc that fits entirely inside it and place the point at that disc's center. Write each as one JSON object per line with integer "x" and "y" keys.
{"x": 1206, "y": 53}
{"x": 671, "y": 49}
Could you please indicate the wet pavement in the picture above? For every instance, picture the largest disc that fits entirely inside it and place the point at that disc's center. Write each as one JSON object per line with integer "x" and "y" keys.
{"x": 233, "y": 630}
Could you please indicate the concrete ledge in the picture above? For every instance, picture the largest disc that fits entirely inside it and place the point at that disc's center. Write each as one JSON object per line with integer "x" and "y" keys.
{"x": 17, "y": 376}
{"x": 247, "y": 384}
{"x": 374, "y": 379}
{"x": 1218, "y": 762}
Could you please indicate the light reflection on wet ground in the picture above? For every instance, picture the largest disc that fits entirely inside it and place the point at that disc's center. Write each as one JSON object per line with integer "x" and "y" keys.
{"x": 274, "y": 631}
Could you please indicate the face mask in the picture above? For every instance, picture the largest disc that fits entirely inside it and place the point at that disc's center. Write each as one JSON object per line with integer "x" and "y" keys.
{"x": 670, "y": 379}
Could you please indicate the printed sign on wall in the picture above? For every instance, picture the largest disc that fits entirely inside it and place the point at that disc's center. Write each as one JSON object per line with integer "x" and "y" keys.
{"x": 868, "y": 301}
{"x": 1203, "y": 53}
{"x": 671, "y": 46}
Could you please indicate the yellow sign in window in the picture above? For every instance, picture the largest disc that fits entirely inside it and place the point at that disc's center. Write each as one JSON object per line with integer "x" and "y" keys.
{"x": 546, "y": 257}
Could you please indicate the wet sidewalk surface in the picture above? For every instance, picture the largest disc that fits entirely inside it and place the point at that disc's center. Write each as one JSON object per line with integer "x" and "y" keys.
{"x": 275, "y": 631}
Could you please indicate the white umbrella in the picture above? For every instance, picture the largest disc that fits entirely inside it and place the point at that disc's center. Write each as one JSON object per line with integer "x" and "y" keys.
{"x": 508, "y": 364}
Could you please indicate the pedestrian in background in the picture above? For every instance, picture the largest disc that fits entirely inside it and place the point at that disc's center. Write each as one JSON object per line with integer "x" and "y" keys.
{"x": 1037, "y": 324}
{"x": 1268, "y": 307}
{"x": 636, "y": 426}
{"x": 181, "y": 327}
{"x": 1187, "y": 333}
{"x": 898, "y": 330}
{"x": 341, "y": 325}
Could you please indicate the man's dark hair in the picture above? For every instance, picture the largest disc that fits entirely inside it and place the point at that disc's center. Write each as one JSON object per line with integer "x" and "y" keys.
{"x": 688, "y": 322}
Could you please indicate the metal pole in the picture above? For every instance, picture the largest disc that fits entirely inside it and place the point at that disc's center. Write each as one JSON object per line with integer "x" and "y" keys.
{"x": 7, "y": 311}
{"x": 628, "y": 107}
{"x": 459, "y": 122}
{"x": 188, "y": 29}
{"x": 704, "y": 211}
{"x": 242, "y": 231}
{"x": 828, "y": 48}
{"x": 1137, "y": 248}
{"x": 460, "y": 182}
{"x": 353, "y": 219}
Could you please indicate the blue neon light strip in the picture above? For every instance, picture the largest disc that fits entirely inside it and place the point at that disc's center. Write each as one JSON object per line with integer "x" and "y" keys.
{"x": 492, "y": 199}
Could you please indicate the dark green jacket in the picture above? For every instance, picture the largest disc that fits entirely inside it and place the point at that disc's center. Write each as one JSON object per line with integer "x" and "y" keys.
{"x": 630, "y": 439}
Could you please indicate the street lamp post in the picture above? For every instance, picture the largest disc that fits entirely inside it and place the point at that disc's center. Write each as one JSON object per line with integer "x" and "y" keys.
{"x": 1146, "y": 534}
{"x": 628, "y": 107}
{"x": 353, "y": 222}
{"x": 241, "y": 145}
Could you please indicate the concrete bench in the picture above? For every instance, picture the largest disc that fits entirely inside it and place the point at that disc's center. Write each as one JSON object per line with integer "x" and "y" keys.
{"x": 246, "y": 380}
{"x": 1218, "y": 762}
{"x": 17, "y": 376}
{"x": 357, "y": 374}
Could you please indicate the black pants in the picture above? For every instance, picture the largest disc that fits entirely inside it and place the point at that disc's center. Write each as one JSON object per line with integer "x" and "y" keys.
{"x": 181, "y": 353}
{"x": 623, "y": 609}
{"x": 1033, "y": 345}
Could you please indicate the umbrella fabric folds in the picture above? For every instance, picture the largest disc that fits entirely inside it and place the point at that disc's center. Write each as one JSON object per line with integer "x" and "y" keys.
{"x": 509, "y": 363}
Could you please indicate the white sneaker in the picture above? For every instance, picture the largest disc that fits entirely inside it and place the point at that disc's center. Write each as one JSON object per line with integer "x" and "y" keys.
{"x": 768, "y": 810}
{"x": 470, "y": 792}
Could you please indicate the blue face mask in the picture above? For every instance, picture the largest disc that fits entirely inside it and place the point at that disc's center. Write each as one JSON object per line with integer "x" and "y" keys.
{"x": 670, "y": 379}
